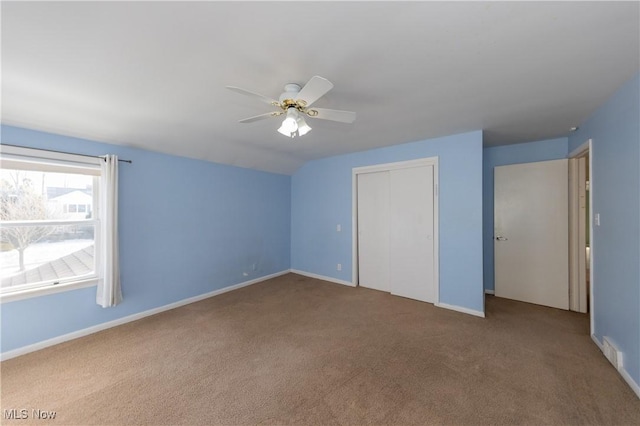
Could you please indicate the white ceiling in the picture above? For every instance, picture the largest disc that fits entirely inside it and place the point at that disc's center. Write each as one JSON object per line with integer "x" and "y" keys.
{"x": 153, "y": 74}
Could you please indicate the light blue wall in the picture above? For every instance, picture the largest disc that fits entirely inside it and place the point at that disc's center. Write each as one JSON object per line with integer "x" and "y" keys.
{"x": 321, "y": 197}
{"x": 615, "y": 188}
{"x": 187, "y": 227}
{"x": 551, "y": 149}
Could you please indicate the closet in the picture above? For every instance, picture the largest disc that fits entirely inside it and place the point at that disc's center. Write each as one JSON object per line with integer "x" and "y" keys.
{"x": 397, "y": 228}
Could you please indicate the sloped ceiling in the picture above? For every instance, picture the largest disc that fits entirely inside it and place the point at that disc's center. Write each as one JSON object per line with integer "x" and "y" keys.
{"x": 153, "y": 74}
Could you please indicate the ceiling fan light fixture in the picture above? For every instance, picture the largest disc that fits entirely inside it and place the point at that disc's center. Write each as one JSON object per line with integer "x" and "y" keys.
{"x": 283, "y": 131}
{"x": 303, "y": 127}
{"x": 290, "y": 125}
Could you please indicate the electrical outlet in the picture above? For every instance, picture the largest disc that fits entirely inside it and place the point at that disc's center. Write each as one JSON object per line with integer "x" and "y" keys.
{"x": 338, "y": 228}
{"x": 339, "y": 268}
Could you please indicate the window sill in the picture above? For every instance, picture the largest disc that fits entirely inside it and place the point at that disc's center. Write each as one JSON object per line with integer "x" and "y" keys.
{"x": 51, "y": 289}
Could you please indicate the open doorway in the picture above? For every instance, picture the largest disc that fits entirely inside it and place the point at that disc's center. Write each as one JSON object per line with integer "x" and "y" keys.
{"x": 580, "y": 230}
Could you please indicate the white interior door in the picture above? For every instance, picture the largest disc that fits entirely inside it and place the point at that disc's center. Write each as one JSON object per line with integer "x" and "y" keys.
{"x": 531, "y": 233}
{"x": 412, "y": 233}
{"x": 373, "y": 230}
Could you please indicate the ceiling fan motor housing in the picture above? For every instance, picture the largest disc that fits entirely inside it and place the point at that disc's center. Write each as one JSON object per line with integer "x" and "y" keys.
{"x": 291, "y": 90}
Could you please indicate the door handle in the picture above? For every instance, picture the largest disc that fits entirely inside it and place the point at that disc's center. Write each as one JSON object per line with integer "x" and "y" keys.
{"x": 501, "y": 238}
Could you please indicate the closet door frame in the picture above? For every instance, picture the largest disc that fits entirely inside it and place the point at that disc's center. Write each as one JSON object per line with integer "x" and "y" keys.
{"x": 430, "y": 161}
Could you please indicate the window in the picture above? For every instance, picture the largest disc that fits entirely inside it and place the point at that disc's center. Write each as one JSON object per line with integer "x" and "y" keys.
{"x": 49, "y": 221}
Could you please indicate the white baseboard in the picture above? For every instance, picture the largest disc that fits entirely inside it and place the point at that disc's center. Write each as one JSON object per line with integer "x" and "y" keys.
{"x": 322, "y": 277}
{"x": 460, "y": 309}
{"x": 632, "y": 383}
{"x": 624, "y": 373}
{"x": 487, "y": 291}
{"x": 105, "y": 325}
{"x": 597, "y": 342}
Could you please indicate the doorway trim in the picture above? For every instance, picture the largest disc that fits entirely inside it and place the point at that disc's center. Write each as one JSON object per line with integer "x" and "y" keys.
{"x": 574, "y": 242}
{"x": 429, "y": 161}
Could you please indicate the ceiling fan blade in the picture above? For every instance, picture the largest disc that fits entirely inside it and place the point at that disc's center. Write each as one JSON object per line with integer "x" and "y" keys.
{"x": 254, "y": 95}
{"x": 314, "y": 90}
{"x": 332, "y": 114}
{"x": 261, "y": 117}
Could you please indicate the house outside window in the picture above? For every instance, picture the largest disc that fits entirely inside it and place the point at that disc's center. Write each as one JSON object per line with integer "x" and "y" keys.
{"x": 49, "y": 221}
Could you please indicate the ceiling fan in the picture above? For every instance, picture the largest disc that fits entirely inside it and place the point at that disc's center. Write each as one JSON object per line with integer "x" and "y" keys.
{"x": 295, "y": 102}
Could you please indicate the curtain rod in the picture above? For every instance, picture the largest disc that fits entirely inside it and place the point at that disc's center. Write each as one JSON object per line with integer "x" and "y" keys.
{"x": 63, "y": 152}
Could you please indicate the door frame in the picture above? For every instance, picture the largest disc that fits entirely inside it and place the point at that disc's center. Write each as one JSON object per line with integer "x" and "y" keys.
{"x": 574, "y": 242}
{"x": 429, "y": 161}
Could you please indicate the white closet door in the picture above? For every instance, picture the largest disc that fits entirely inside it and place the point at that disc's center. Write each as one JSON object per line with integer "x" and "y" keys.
{"x": 373, "y": 230}
{"x": 411, "y": 246}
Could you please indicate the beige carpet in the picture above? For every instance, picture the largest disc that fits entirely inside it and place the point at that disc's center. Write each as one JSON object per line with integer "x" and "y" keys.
{"x": 294, "y": 350}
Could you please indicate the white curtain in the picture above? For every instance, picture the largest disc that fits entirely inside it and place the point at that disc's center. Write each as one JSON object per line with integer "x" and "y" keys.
{"x": 109, "y": 291}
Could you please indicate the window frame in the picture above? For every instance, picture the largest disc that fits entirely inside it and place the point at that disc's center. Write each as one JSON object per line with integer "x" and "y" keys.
{"x": 43, "y": 160}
